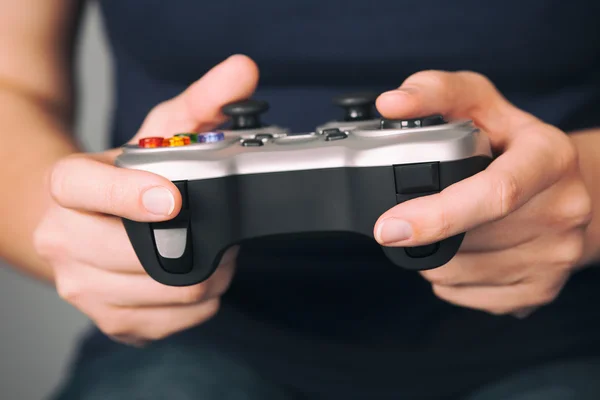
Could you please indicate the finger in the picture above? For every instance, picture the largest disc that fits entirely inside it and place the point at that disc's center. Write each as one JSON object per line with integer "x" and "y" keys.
{"x": 456, "y": 95}
{"x": 89, "y": 239}
{"x": 503, "y": 299}
{"x": 142, "y": 291}
{"x": 78, "y": 283}
{"x": 554, "y": 255}
{"x": 532, "y": 163}
{"x": 494, "y": 268}
{"x": 560, "y": 208}
{"x": 138, "y": 325}
{"x": 82, "y": 183}
{"x": 99, "y": 241}
{"x": 199, "y": 107}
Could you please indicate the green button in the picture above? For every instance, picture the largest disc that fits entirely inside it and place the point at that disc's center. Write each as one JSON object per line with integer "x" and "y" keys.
{"x": 193, "y": 136}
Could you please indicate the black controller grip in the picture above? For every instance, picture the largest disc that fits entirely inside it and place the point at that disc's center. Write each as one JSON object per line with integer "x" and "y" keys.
{"x": 195, "y": 267}
{"x": 221, "y": 212}
{"x": 436, "y": 254}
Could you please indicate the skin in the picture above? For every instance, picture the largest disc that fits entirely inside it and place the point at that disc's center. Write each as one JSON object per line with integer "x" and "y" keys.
{"x": 529, "y": 215}
{"x": 84, "y": 242}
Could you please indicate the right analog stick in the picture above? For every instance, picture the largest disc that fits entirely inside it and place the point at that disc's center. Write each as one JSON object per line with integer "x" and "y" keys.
{"x": 245, "y": 114}
{"x": 357, "y": 106}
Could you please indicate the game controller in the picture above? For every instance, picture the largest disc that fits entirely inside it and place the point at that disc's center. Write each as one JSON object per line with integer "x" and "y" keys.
{"x": 257, "y": 180}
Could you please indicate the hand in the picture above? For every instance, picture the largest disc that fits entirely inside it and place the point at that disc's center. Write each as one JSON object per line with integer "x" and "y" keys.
{"x": 525, "y": 215}
{"x": 82, "y": 237}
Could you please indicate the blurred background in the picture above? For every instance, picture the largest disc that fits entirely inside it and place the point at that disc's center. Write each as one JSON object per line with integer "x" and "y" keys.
{"x": 38, "y": 330}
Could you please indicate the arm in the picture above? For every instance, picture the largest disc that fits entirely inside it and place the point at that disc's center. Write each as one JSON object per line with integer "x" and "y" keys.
{"x": 36, "y": 114}
{"x": 587, "y": 144}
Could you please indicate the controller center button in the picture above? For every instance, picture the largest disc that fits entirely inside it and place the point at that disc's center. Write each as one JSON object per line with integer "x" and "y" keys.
{"x": 263, "y": 136}
{"x": 252, "y": 143}
{"x": 417, "y": 178}
{"x": 171, "y": 243}
{"x": 337, "y": 135}
{"x": 330, "y": 130}
{"x": 296, "y": 138}
{"x": 210, "y": 137}
{"x": 431, "y": 120}
{"x": 422, "y": 251}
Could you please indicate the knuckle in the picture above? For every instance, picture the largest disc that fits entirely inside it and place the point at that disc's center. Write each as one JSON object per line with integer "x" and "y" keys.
{"x": 211, "y": 309}
{"x": 439, "y": 278}
{"x": 48, "y": 245}
{"x": 114, "y": 194}
{"x": 193, "y": 294}
{"x": 58, "y": 179}
{"x": 498, "y": 310}
{"x": 574, "y": 210}
{"x": 158, "y": 332}
{"x": 443, "y": 227}
{"x": 570, "y": 251}
{"x": 508, "y": 194}
{"x": 547, "y": 294}
{"x": 476, "y": 78}
{"x": 208, "y": 310}
{"x": 114, "y": 323}
{"x": 568, "y": 156}
{"x": 68, "y": 290}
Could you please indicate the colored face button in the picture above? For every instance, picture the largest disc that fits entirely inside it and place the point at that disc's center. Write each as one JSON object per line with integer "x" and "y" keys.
{"x": 193, "y": 137}
{"x": 210, "y": 137}
{"x": 151, "y": 142}
{"x": 176, "y": 141}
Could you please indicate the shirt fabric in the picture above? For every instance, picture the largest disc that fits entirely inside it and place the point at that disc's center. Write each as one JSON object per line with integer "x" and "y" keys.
{"x": 330, "y": 311}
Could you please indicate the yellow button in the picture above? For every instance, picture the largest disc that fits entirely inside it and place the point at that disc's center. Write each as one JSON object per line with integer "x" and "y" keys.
{"x": 176, "y": 141}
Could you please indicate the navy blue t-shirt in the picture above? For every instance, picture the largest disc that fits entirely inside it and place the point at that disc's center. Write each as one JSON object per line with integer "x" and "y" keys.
{"x": 333, "y": 311}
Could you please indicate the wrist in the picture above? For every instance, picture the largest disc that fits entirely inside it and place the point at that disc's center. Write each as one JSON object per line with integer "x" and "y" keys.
{"x": 43, "y": 139}
{"x": 587, "y": 143}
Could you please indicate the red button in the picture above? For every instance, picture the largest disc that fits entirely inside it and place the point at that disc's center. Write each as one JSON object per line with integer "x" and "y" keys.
{"x": 151, "y": 142}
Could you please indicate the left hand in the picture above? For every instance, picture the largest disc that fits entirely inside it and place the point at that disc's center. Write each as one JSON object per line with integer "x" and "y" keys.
{"x": 525, "y": 215}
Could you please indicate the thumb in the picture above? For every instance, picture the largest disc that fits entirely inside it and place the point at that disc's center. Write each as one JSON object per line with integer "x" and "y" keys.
{"x": 199, "y": 106}
{"x": 91, "y": 182}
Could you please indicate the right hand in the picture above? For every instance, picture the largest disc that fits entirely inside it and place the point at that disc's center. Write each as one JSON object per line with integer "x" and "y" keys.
{"x": 83, "y": 239}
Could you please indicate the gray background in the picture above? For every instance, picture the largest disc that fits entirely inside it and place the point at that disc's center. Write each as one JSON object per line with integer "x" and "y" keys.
{"x": 38, "y": 331}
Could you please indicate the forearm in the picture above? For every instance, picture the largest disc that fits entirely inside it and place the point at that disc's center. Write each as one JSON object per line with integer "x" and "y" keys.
{"x": 33, "y": 136}
{"x": 588, "y": 146}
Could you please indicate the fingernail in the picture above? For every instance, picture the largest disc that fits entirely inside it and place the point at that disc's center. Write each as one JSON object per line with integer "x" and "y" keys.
{"x": 159, "y": 201}
{"x": 393, "y": 230}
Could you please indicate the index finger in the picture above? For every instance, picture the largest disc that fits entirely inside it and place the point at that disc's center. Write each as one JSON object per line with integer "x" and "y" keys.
{"x": 529, "y": 166}
{"x": 535, "y": 155}
{"x": 86, "y": 184}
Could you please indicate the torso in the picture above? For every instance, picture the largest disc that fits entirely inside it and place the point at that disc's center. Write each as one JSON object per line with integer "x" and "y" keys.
{"x": 319, "y": 301}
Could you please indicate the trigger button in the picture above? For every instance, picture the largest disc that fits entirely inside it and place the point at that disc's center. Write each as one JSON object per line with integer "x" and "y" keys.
{"x": 171, "y": 243}
{"x": 182, "y": 186}
{"x": 417, "y": 178}
{"x": 252, "y": 143}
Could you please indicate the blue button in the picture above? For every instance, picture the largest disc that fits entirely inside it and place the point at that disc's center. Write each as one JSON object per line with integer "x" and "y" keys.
{"x": 211, "y": 137}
